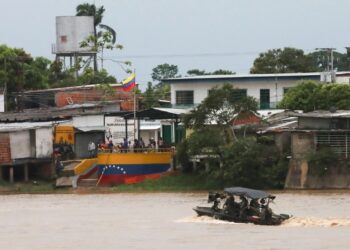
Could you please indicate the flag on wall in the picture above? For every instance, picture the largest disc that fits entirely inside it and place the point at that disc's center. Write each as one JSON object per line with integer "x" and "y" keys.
{"x": 129, "y": 83}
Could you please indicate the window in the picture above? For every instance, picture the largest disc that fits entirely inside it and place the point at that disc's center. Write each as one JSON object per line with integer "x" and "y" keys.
{"x": 285, "y": 90}
{"x": 184, "y": 97}
{"x": 264, "y": 98}
{"x": 238, "y": 94}
{"x": 63, "y": 39}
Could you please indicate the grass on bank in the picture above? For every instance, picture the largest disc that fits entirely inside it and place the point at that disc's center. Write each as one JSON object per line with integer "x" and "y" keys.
{"x": 31, "y": 187}
{"x": 171, "y": 183}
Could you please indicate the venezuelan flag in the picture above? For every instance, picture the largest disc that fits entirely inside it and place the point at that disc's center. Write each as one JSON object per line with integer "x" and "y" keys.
{"x": 129, "y": 83}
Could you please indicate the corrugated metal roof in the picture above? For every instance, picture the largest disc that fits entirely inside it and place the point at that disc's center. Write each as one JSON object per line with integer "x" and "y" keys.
{"x": 91, "y": 128}
{"x": 326, "y": 114}
{"x": 8, "y": 127}
{"x": 247, "y": 76}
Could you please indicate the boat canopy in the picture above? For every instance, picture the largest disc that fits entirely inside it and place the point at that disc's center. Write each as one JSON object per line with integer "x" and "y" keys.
{"x": 248, "y": 192}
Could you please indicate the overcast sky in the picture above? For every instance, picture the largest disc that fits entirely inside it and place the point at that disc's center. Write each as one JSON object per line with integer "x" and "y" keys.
{"x": 202, "y": 34}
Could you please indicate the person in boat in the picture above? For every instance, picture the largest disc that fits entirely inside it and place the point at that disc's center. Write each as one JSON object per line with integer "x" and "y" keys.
{"x": 243, "y": 207}
{"x": 266, "y": 212}
{"x": 254, "y": 207}
{"x": 215, "y": 198}
{"x": 231, "y": 207}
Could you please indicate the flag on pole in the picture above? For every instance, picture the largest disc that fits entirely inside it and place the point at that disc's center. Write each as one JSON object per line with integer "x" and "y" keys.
{"x": 129, "y": 83}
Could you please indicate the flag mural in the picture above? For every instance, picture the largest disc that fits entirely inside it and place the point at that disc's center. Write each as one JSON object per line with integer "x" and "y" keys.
{"x": 129, "y": 83}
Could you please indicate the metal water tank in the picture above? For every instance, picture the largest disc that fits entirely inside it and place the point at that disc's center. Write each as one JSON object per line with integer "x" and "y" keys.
{"x": 71, "y": 31}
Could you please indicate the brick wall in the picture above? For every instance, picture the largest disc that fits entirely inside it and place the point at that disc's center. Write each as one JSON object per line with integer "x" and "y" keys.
{"x": 5, "y": 152}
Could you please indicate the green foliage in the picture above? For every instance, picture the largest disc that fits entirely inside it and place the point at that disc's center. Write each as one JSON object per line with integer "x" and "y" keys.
{"x": 163, "y": 71}
{"x": 287, "y": 60}
{"x": 182, "y": 156}
{"x": 197, "y": 72}
{"x": 320, "y": 60}
{"x": 321, "y": 161}
{"x": 246, "y": 163}
{"x": 219, "y": 108}
{"x": 87, "y": 9}
{"x": 310, "y": 95}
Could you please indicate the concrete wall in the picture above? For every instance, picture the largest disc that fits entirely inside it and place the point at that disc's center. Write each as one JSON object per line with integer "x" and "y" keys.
{"x": 2, "y": 103}
{"x": 20, "y": 145}
{"x": 201, "y": 88}
{"x": 44, "y": 142}
{"x": 314, "y": 123}
{"x": 302, "y": 143}
{"x": 298, "y": 174}
{"x": 71, "y": 31}
{"x": 88, "y": 121}
{"x": 283, "y": 141}
{"x": 5, "y": 153}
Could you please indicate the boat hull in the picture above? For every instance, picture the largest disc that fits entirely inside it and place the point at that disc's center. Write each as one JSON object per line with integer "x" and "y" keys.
{"x": 129, "y": 168}
{"x": 220, "y": 214}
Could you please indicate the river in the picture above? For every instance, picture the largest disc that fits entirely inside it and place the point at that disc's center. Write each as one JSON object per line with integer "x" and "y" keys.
{"x": 166, "y": 221}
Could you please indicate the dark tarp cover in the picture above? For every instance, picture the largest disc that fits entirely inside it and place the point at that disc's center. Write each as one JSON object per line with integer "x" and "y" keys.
{"x": 250, "y": 193}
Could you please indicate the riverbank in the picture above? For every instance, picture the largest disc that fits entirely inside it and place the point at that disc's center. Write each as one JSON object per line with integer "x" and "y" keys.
{"x": 171, "y": 183}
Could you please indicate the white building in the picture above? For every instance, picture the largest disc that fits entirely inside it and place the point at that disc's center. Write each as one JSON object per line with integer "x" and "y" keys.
{"x": 268, "y": 89}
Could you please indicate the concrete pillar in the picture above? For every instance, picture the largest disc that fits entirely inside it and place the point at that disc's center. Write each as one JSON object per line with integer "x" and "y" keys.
{"x": 156, "y": 138}
{"x": 11, "y": 174}
{"x": 26, "y": 178}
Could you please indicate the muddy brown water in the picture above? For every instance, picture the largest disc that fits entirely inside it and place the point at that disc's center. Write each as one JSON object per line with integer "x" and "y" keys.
{"x": 166, "y": 221}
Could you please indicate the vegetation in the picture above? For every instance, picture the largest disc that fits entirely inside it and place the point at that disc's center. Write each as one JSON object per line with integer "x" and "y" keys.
{"x": 197, "y": 72}
{"x": 159, "y": 90}
{"x": 310, "y": 95}
{"x": 285, "y": 60}
{"x": 228, "y": 158}
{"x": 322, "y": 161}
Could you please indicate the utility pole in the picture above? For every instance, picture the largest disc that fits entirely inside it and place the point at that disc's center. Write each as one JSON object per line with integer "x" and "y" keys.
{"x": 5, "y": 86}
{"x": 330, "y": 61}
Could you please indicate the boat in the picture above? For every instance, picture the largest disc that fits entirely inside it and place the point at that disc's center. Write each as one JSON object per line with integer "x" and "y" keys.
{"x": 252, "y": 207}
{"x": 132, "y": 167}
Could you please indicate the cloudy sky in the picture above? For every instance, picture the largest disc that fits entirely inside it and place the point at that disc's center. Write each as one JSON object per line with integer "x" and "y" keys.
{"x": 202, "y": 34}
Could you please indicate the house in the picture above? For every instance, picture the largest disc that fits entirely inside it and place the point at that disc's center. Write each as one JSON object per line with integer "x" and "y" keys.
{"x": 26, "y": 150}
{"x": 268, "y": 89}
{"x": 316, "y": 130}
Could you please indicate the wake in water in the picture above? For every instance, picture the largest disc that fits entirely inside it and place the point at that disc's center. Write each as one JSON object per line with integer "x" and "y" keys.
{"x": 292, "y": 222}
{"x": 316, "y": 222}
{"x": 203, "y": 219}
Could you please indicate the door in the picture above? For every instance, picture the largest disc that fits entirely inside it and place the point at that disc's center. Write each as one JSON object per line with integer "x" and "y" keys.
{"x": 264, "y": 98}
{"x": 166, "y": 129}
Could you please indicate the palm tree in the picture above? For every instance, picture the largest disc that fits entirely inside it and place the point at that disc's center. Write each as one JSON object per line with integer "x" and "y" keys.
{"x": 87, "y": 9}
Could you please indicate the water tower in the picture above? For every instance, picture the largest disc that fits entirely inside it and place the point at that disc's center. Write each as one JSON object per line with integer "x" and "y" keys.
{"x": 70, "y": 32}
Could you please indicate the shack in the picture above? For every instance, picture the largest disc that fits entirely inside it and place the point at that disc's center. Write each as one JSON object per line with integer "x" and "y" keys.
{"x": 26, "y": 150}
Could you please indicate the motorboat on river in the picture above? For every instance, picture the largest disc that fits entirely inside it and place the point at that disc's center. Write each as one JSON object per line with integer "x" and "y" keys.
{"x": 252, "y": 206}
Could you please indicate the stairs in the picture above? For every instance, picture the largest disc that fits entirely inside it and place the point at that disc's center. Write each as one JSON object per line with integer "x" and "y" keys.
{"x": 87, "y": 182}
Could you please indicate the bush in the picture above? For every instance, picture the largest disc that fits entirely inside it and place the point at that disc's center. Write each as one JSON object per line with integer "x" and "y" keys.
{"x": 321, "y": 161}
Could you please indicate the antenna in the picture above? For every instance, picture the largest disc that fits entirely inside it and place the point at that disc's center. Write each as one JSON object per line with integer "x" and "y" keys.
{"x": 330, "y": 61}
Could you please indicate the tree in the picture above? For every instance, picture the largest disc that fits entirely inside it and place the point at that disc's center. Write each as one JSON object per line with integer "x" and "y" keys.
{"x": 219, "y": 108}
{"x": 163, "y": 71}
{"x": 320, "y": 60}
{"x": 19, "y": 71}
{"x": 87, "y": 9}
{"x": 310, "y": 95}
{"x": 287, "y": 60}
{"x": 230, "y": 161}
{"x": 197, "y": 72}
{"x": 149, "y": 97}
